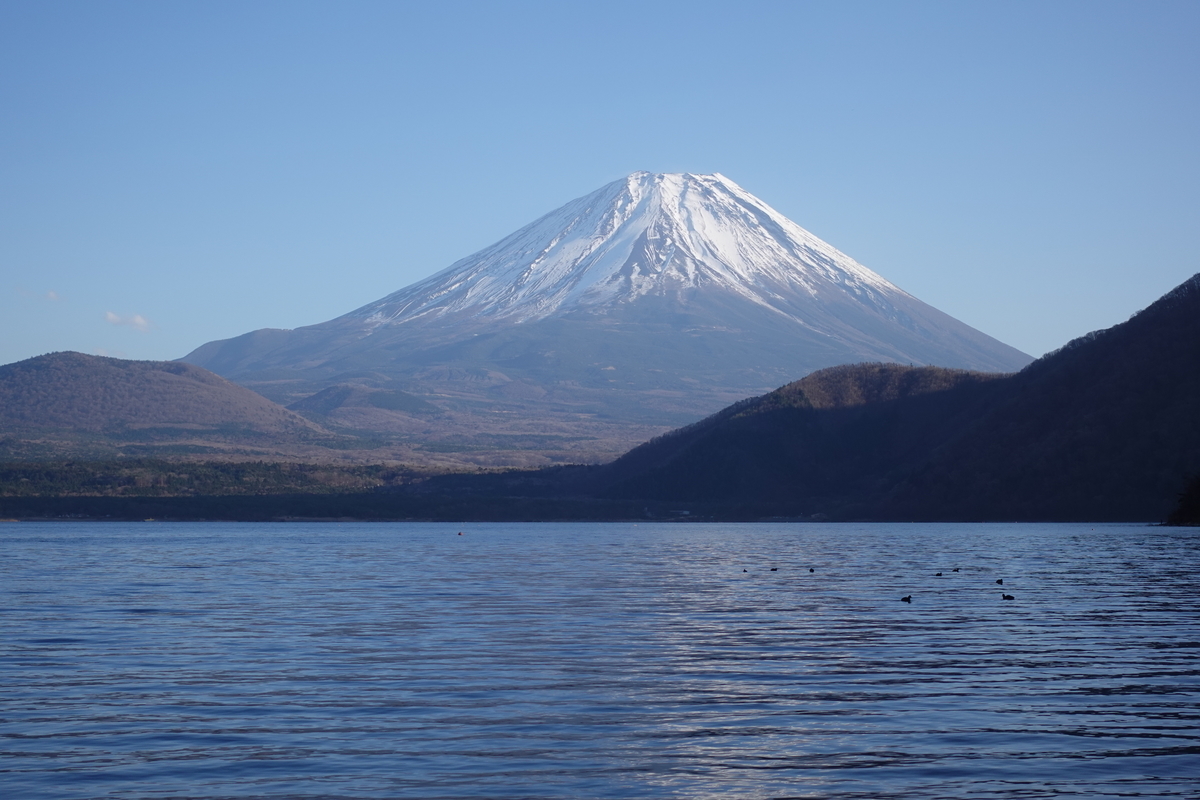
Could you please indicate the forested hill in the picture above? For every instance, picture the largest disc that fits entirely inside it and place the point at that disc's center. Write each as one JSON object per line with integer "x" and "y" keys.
{"x": 830, "y": 435}
{"x": 1105, "y": 428}
{"x": 94, "y": 398}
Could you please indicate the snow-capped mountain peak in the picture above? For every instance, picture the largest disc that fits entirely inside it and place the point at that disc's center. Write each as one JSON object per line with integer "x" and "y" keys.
{"x": 644, "y": 235}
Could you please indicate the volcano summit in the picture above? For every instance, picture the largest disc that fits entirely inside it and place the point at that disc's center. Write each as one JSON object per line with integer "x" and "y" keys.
{"x": 648, "y": 303}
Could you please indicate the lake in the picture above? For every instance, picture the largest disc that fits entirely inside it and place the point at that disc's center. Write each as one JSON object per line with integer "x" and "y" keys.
{"x": 221, "y": 660}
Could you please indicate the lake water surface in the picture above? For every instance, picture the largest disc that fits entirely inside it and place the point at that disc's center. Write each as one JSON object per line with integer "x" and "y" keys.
{"x": 215, "y": 660}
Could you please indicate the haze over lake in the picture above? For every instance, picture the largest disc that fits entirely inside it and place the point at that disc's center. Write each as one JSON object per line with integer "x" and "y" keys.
{"x": 598, "y": 660}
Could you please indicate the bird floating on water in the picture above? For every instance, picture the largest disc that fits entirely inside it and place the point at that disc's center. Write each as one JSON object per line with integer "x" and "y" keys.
{"x": 1008, "y": 597}
{"x": 906, "y": 599}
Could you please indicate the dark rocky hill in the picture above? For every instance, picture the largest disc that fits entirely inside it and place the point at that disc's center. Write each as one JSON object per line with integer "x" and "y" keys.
{"x": 1107, "y": 427}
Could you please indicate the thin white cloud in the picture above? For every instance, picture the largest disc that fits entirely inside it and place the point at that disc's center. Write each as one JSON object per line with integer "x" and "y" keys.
{"x": 137, "y": 321}
{"x": 50, "y": 295}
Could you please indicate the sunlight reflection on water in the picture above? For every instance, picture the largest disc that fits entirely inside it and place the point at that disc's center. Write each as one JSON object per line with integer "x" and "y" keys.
{"x": 607, "y": 660}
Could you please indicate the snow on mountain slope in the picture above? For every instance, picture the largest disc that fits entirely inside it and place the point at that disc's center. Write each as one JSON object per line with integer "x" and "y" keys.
{"x": 646, "y": 234}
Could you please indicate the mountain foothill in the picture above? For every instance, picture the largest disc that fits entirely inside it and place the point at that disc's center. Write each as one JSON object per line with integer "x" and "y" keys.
{"x": 74, "y": 405}
{"x": 641, "y": 329}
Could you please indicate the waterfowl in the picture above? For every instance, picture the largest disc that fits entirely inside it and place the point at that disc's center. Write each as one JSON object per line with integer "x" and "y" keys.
{"x": 1000, "y": 581}
{"x": 1008, "y": 597}
{"x": 906, "y": 599}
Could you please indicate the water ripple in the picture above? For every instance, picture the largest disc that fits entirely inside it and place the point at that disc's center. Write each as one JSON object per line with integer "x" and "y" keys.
{"x": 536, "y": 661}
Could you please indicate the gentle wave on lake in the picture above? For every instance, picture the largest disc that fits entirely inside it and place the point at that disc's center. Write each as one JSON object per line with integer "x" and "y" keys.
{"x": 214, "y": 660}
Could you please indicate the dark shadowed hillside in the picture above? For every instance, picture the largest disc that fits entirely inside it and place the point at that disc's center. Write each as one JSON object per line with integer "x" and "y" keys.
{"x": 1108, "y": 427}
{"x": 1105, "y": 428}
{"x": 1188, "y": 510}
{"x": 817, "y": 446}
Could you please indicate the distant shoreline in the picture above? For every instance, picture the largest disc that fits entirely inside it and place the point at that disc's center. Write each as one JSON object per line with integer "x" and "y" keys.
{"x": 414, "y": 508}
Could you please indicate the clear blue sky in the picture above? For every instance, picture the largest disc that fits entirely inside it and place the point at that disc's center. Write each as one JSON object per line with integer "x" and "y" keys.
{"x": 173, "y": 173}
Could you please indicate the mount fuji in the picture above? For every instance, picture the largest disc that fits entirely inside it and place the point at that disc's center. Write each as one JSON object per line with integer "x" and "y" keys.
{"x": 651, "y": 302}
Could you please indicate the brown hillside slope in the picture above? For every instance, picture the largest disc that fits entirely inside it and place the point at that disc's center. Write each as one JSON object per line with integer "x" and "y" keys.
{"x": 81, "y": 398}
